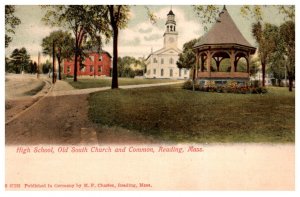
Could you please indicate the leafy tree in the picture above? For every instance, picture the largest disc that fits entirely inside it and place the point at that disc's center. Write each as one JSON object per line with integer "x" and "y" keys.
{"x": 31, "y": 68}
{"x": 187, "y": 59}
{"x": 19, "y": 60}
{"x": 64, "y": 44}
{"x": 11, "y": 22}
{"x": 287, "y": 34}
{"x": 266, "y": 37}
{"x": 85, "y": 21}
{"x": 118, "y": 19}
{"x": 46, "y": 67}
{"x": 124, "y": 67}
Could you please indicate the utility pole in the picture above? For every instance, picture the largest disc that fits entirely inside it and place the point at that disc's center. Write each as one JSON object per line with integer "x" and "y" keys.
{"x": 38, "y": 67}
{"x": 58, "y": 58}
{"x": 53, "y": 55}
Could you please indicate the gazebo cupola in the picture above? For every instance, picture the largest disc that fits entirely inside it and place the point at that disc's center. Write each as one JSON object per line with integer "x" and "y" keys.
{"x": 223, "y": 40}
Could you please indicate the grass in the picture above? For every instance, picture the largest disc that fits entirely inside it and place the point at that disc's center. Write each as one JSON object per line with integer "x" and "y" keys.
{"x": 35, "y": 90}
{"x": 172, "y": 114}
{"x": 96, "y": 83}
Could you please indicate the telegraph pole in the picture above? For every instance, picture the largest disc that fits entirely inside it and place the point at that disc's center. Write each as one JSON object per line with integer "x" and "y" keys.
{"x": 53, "y": 56}
{"x": 38, "y": 67}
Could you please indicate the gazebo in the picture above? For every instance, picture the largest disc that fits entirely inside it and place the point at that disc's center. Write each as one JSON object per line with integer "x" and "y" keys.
{"x": 223, "y": 40}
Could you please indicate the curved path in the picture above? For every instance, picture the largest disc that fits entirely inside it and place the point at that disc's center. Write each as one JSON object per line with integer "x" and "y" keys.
{"x": 59, "y": 117}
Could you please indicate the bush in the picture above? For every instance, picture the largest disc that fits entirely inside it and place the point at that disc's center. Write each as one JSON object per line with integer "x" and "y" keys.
{"x": 230, "y": 87}
{"x": 188, "y": 85}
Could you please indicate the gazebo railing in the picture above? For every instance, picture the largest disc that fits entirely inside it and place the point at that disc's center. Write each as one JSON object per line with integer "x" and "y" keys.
{"x": 222, "y": 74}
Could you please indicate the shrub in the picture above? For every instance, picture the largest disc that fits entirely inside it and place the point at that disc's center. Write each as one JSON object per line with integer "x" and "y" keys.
{"x": 188, "y": 85}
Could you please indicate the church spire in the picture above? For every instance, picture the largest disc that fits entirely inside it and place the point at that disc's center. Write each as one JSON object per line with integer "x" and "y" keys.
{"x": 171, "y": 23}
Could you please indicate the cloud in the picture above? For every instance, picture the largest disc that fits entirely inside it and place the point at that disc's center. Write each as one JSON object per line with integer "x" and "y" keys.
{"x": 152, "y": 37}
{"x": 148, "y": 30}
{"x": 133, "y": 42}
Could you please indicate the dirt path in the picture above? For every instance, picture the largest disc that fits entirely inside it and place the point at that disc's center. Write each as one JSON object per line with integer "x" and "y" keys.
{"x": 61, "y": 118}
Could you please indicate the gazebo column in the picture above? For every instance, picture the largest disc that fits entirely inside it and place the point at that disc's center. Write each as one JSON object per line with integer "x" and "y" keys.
{"x": 202, "y": 62}
{"x": 197, "y": 64}
{"x": 208, "y": 61}
{"x": 248, "y": 63}
{"x": 232, "y": 58}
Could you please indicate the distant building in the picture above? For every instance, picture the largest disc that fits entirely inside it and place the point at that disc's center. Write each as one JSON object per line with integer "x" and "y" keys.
{"x": 162, "y": 63}
{"x": 94, "y": 65}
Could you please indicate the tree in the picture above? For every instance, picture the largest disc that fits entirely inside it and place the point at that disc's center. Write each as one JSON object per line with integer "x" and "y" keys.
{"x": 64, "y": 44}
{"x": 266, "y": 37}
{"x": 19, "y": 60}
{"x": 85, "y": 21}
{"x": 31, "y": 68}
{"x": 118, "y": 18}
{"x": 287, "y": 34}
{"x": 46, "y": 67}
{"x": 187, "y": 59}
{"x": 11, "y": 22}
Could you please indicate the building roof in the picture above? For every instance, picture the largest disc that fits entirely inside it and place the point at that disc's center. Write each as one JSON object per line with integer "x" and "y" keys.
{"x": 224, "y": 31}
{"x": 94, "y": 49}
{"x": 171, "y": 13}
{"x": 163, "y": 51}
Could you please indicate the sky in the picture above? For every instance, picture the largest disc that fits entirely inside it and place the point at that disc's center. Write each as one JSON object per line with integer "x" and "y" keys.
{"x": 140, "y": 36}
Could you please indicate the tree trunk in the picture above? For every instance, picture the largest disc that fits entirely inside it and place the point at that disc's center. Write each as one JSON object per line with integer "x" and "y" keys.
{"x": 290, "y": 81}
{"x": 114, "y": 83}
{"x": 263, "y": 69}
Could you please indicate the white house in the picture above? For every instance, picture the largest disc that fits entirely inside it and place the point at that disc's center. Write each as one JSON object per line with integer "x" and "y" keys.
{"x": 162, "y": 63}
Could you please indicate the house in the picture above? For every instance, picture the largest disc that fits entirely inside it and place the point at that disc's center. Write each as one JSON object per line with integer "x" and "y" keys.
{"x": 162, "y": 63}
{"x": 95, "y": 64}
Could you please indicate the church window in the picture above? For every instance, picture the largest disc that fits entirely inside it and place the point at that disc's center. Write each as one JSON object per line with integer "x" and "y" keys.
{"x": 162, "y": 72}
{"x": 91, "y": 68}
{"x": 179, "y": 72}
{"x": 154, "y": 60}
{"x": 99, "y": 69}
{"x": 154, "y": 71}
{"x": 68, "y": 69}
{"x": 149, "y": 72}
{"x": 171, "y": 72}
{"x": 162, "y": 61}
{"x": 185, "y": 71}
{"x": 171, "y": 61}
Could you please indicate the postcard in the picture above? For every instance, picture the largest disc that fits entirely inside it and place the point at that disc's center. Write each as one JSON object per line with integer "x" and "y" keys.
{"x": 149, "y": 97}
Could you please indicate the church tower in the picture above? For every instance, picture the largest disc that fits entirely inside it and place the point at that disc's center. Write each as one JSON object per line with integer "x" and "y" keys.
{"x": 170, "y": 35}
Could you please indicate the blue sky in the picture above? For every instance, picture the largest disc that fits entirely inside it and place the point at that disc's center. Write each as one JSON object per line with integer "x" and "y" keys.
{"x": 140, "y": 35}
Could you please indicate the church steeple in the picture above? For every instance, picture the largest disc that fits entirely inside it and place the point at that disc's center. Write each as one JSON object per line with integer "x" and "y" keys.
{"x": 170, "y": 35}
{"x": 171, "y": 23}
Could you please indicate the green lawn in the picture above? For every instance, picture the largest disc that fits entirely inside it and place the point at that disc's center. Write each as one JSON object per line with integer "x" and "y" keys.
{"x": 96, "y": 83}
{"x": 175, "y": 115}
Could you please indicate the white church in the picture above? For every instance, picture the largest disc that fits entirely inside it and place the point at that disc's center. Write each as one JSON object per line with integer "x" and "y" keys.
{"x": 162, "y": 63}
